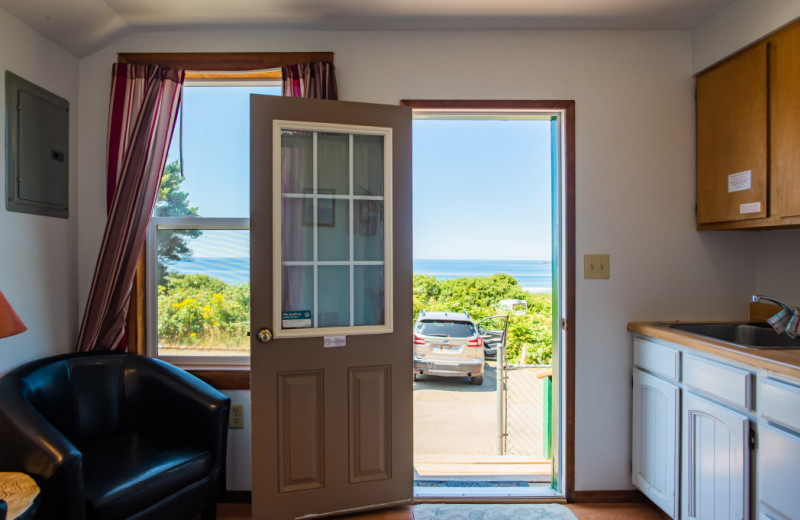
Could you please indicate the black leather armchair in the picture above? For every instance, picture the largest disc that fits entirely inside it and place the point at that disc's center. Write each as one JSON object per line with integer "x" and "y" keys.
{"x": 112, "y": 436}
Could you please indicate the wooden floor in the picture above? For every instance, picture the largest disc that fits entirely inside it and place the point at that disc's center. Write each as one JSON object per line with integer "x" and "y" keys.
{"x": 614, "y": 511}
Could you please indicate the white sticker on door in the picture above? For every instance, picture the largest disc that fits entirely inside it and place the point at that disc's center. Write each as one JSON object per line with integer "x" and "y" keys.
{"x": 753, "y": 207}
{"x": 334, "y": 341}
{"x": 739, "y": 181}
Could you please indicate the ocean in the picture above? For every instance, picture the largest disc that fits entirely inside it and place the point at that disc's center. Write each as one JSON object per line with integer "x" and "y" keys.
{"x": 533, "y": 275}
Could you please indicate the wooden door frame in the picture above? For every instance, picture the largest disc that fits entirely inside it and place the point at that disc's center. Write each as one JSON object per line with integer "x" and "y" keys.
{"x": 567, "y": 107}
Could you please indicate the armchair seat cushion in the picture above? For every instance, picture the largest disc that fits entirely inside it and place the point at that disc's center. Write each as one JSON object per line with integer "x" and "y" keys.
{"x": 126, "y": 470}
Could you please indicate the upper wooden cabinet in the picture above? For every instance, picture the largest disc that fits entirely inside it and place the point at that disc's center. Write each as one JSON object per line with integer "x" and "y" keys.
{"x": 748, "y": 137}
{"x": 785, "y": 123}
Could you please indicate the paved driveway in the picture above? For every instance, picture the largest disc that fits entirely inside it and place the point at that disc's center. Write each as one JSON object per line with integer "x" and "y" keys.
{"x": 454, "y": 417}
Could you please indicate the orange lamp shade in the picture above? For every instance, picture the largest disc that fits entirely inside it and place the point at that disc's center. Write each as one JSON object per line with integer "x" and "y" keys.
{"x": 10, "y": 323}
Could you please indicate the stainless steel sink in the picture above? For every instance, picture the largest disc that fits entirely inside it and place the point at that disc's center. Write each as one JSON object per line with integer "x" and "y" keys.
{"x": 748, "y": 335}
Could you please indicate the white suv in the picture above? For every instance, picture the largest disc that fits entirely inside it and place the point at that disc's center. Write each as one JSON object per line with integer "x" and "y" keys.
{"x": 448, "y": 344}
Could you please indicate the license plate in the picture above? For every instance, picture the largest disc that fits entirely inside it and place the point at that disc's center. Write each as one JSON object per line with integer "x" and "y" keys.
{"x": 445, "y": 347}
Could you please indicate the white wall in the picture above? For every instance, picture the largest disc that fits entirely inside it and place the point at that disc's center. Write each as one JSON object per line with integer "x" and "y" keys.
{"x": 778, "y": 261}
{"x": 635, "y": 177}
{"x": 38, "y": 255}
{"x": 736, "y": 27}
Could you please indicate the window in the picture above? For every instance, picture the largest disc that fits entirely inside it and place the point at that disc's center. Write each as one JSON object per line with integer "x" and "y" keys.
{"x": 198, "y": 242}
{"x": 331, "y": 216}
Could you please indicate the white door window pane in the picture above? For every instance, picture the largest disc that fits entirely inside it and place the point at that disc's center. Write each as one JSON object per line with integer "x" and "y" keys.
{"x": 333, "y": 158}
{"x": 298, "y": 289}
{"x": 332, "y": 230}
{"x": 369, "y": 294}
{"x": 368, "y": 165}
{"x": 334, "y": 296}
{"x": 298, "y": 229}
{"x": 297, "y": 161}
{"x": 368, "y": 228}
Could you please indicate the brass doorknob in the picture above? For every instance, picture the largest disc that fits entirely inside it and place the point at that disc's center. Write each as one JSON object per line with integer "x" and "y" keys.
{"x": 264, "y": 335}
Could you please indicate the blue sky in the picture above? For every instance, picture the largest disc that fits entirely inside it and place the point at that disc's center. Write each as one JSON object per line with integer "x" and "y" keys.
{"x": 481, "y": 188}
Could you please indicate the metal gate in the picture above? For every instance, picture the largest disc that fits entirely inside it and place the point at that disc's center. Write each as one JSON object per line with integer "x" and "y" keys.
{"x": 523, "y": 409}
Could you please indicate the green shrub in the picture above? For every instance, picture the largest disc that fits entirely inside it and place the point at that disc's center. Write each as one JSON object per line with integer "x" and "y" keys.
{"x": 200, "y": 310}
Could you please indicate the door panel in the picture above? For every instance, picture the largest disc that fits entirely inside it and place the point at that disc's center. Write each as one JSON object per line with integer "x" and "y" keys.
{"x": 370, "y": 423}
{"x": 300, "y": 447}
{"x": 332, "y": 425}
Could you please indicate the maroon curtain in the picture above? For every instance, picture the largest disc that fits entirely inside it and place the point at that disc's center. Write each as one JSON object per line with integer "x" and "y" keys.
{"x": 315, "y": 80}
{"x": 144, "y": 104}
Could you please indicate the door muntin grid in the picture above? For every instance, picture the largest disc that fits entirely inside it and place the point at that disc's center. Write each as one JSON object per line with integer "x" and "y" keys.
{"x": 331, "y": 229}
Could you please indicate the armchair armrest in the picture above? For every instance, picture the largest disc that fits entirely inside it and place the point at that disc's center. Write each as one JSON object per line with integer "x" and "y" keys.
{"x": 34, "y": 446}
{"x": 30, "y": 443}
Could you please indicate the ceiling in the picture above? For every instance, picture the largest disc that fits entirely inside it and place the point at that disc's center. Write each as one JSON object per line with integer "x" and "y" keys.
{"x": 85, "y": 26}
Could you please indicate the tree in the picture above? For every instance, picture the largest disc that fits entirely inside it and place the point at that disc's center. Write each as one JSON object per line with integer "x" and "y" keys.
{"x": 172, "y": 245}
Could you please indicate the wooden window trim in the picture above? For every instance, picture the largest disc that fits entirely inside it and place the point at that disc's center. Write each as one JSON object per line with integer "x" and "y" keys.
{"x": 223, "y": 61}
{"x": 217, "y": 65}
{"x": 568, "y": 180}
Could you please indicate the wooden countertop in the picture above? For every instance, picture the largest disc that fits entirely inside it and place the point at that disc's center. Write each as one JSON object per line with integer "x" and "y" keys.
{"x": 781, "y": 361}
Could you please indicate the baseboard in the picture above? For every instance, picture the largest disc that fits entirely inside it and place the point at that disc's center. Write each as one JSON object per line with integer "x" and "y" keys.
{"x": 623, "y": 495}
{"x": 237, "y": 497}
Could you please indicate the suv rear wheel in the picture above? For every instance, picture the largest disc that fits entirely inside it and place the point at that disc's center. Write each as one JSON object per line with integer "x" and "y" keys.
{"x": 476, "y": 380}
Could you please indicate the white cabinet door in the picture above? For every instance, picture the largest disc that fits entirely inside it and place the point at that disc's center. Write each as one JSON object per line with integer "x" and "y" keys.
{"x": 778, "y": 473}
{"x": 655, "y": 440}
{"x": 715, "y": 479}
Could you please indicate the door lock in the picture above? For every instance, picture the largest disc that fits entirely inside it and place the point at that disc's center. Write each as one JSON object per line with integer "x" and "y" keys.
{"x": 264, "y": 335}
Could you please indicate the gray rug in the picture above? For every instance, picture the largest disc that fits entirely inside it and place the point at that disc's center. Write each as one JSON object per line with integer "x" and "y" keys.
{"x": 492, "y": 512}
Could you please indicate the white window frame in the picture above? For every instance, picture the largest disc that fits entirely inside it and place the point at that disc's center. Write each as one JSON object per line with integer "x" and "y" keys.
{"x": 315, "y": 331}
{"x": 203, "y": 223}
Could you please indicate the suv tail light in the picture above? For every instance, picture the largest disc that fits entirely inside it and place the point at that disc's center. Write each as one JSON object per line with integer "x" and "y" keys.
{"x": 477, "y": 342}
{"x": 418, "y": 340}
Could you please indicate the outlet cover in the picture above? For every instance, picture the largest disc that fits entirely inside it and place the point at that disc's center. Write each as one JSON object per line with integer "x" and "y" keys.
{"x": 596, "y": 267}
{"x": 236, "y": 419}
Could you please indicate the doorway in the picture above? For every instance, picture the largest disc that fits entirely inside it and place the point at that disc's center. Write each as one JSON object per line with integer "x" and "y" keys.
{"x": 490, "y": 238}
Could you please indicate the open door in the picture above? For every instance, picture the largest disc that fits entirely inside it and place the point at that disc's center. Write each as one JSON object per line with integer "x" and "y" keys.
{"x": 331, "y": 275}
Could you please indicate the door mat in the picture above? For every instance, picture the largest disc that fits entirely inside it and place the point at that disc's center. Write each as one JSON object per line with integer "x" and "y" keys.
{"x": 492, "y": 512}
{"x": 470, "y": 483}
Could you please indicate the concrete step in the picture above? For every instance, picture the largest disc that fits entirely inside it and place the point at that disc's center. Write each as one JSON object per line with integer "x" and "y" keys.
{"x": 481, "y": 467}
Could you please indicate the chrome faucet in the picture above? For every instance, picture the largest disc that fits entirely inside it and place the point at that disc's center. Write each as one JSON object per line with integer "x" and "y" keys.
{"x": 788, "y": 308}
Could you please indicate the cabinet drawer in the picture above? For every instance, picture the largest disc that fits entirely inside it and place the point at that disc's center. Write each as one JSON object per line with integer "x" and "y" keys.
{"x": 656, "y": 358}
{"x": 727, "y": 383}
{"x": 779, "y": 402}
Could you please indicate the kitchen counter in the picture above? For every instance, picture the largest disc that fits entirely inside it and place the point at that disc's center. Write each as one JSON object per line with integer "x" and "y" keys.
{"x": 781, "y": 361}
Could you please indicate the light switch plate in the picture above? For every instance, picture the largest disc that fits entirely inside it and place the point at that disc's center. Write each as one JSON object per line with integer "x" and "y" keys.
{"x": 596, "y": 267}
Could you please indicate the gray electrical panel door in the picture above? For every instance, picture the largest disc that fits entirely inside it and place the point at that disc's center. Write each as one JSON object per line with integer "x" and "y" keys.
{"x": 37, "y": 141}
